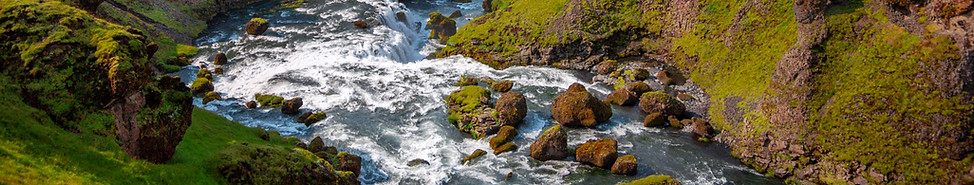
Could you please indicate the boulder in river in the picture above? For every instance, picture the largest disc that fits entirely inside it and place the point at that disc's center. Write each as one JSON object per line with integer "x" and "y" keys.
{"x": 476, "y": 153}
{"x": 416, "y": 162}
{"x": 361, "y": 24}
{"x": 638, "y": 88}
{"x": 220, "y": 59}
{"x": 551, "y": 145}
{"x": 292, "y": 106}
{"x": 309, "y": 118}
{"x": 201, "y": 86}
{"x": 511, "y": 108}
{"x": 211, "y": 96}
{"x": 442, "y": 27}
{"x": 349, "y": 162}
{"x": 251, "y": 104}
{"x": 601, "y": 153}
{"x": 659, "y": 102}
{"x": 316, "y": 145}
{"x": 470, "y": 111}
{"x": 505, "y": 135}
{"x": 507, "y": 147}
{"x": 401, "y": 16}
{"x": 577, "y": 107}
{"x": 654, "y": 120}
{"x": 502, "y": 86}
{"x": 702, "y": 128}
{"x": 456, "y": 14}
{"x": 218, "y": 70}
{"x": 622, "y": 97}
{"x": 257, "y": 26}
{"x": 674, "y": 122}
{"x": 625, "y": 165}
{"x": 267, "y": 100}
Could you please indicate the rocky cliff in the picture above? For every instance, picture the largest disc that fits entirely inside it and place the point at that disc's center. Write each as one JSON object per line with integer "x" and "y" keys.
{"x": 812, "y": 91}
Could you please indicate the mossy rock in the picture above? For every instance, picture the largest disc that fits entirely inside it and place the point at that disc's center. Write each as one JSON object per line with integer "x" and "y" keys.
{"x": 640, "y": 74}
{"x": 508, "y": 147}
{"x": 269, "y": 100}
{"x": 466, "y": 81}
{"x": 638, "y": 88}
{"x": 309, "y": 118}
{"x": 622, "y": 97}
{"x": 659, "y": 102}
{"x": 201, "y": 86}
{"x": 257, "y": 26}
{"x": 442, "y": 27}
{"x": 702, "y": 128}
{"x": 654, "y": 120}
{"x": 316, "y": 145}
{"x": 601, "y": 153}
{"x": 505, "y": 135}
{"x": 511, "y": 108}
{"x": 476, "y": 153}
{"x": 551, "y": 145}
{"x": 218, "y": 71}
{"x": 625, "y": 165}
{"x": 204, "y": 73}
{"x": 654, "y": 180}
{"x": 577, "y": 107}
{"x": 606, "y": 67}
{"x": 416, "y": 162}
{"x": 211, "y": 96}
{"x": 349, "y": 162}
{"x": 244, "y": 163}
{"x": 456, "y": 14}
{"x": 292, "y": 106}
{"x": 220, "y": 59}
{"x": 674, "y": 121}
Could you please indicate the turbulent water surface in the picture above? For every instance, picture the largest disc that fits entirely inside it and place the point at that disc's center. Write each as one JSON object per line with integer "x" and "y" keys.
{"x": 385, "y": 101}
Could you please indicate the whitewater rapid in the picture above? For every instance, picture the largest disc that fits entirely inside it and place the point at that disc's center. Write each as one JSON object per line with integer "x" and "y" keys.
{"x": 385, "y": 101}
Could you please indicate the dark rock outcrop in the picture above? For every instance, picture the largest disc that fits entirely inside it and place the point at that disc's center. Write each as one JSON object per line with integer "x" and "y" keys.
{"x": 220, "y": 59}
{"x": 659, "y": 102}
{"x": 577, "y": 107}
{"x": 507, "y": 147}
{"x": 638, "y": 88}
{"x": 147, "y": 131}
{"x": 309, "y": 118}
{"x": 349, "y": 162}
{"x": 251, "y": 104}
{"x": 625, "y": 165}
{"x": 257, "y": 26}
{"x": 456, "y": 14}
{"x": 601, "y": 153}
{"x": 702, "y": 128}
{"x": 292, "y": 106}
{"x": 551, "y": 145}
{"x": 360, "y": 24}
{"x": 606, "y": 67}
{"x": 654, "y": 120}
{"x": 401, "y": 17}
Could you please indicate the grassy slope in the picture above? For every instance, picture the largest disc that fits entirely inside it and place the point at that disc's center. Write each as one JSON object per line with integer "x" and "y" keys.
{"x": 879, "y": 64}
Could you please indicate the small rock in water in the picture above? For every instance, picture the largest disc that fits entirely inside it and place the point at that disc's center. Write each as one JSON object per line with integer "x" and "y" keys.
{"x": 654, "y": 120}
{"x": 456, "y": 14}
{"x": 292, "y": 106}
{"x": 257, "y": 26}
{"x": 361, "y": 24}
{"x": 601, "y": 153}
{"x": 625, "y": 165}
{"x": 509, "y": 175}
{"x": 509, "y": 147}
{"x": 415, "y": 162}
{"x": 401, "y": 16}
{"x": 702, "y": 128}
{"x": 502, "y": 86}
{"x": 220, "y": 59}
{"x": 476, "y": 153}
{"x": 251, "y": 104}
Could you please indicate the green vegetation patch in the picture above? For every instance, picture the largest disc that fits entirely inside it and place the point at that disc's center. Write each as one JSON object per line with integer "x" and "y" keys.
{"x": 269, "y": 100}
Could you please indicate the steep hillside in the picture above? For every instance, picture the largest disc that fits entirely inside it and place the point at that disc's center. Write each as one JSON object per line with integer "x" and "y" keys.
{"x": 814, "y": 91}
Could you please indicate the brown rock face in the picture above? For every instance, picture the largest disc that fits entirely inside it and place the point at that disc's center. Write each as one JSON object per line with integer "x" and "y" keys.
{"x": 622, "y": 97}
{"x": 488, "y": 6}
{"x": 551, "y": 145}
{"x": 220, "y": 59}
{"x": 292, "y": 106}
{"x": 251, "y": 104}
{"x": 638, "y": 88}
{"x": 601, "y": 153}
{"x": 625, "y": 165}
{"x": 316, "y": 145}
{"x": 361, "y": 24}
{"x": 148, "y": 132}
{"x": 349, "y": 162}
{"x": 577, "y": 107}
{"x": 456, "y": 14}
{"x": 257, "y": 26}
{"x": 511, "y": 108}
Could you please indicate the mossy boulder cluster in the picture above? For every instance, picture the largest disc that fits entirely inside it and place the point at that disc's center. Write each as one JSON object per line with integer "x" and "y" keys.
{"x": 442, "y": 27}
{"x": 502, "y": 141}
{"x": 244, "y": 163}
{"x": 257, "y": 26}
{"x": 577, "y": 107}
{"x": 470, "y": 111}
{"x": 551, "y": 145}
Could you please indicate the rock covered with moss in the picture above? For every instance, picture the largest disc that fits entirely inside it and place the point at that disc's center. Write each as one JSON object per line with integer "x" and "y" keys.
{"x": 245, "y": 163}
{"x": 267, "y": 100}
{"x": 502, "y": 86}
{"x": 257, "y": 26}
{"x": 349, "y": 162}
{"x": 476, "y": 153}
{"x": 220, "y": 59}
{"x": 577, "y": 107}
{"x": 211, "y": 96}
{"x": 551, "y": 145}
{"x": 622, "y": 97}
{"x": 638, "y": 88}
{"x": 292, "y": 106}
{"x": 606, "y": 67}
{"x": 442, "y": 27}
{"x": 659, "y": 102}
{"x": 511, "y": 108}
{"x": 654, "y": 180}
{"x": 470, "y": 111}
{"x": 625, "y": 165}
{"x": 309, "y": 118}
{"x": 601, "y": 153}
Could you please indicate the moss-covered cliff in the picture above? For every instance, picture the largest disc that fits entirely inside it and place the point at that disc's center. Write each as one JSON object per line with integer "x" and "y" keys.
{"x": 839, "y": 91}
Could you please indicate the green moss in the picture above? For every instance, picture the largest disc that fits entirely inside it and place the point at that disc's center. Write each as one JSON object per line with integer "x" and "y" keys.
{"x": 653, "y": 180}
{"x": 186, "y": 50}
{"x": 467, "y": 98}
{"x": 258, "y": 20}
{"x": 269, "y": 100}
{"x": 476, "y": 153}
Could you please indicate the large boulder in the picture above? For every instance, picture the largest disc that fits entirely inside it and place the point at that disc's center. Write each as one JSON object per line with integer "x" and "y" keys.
{"x": 470, "y": 111}
{"x": 292, "y": 106}
{"x": 349, "y": 162}
{"x": 638, "y": 88}
{"x": 625, "y": 165}
{"x": 601, "y": 153}
{"x": 201, "y": 86}
{"x": 507, "y": 147}
{"x": 220, "y": 59}
{"x": 442, "y": 27}
{"x": 551, "y": 145}
{"x": 622, "y": 97}
{"x": 659, "y": 102}
{"x": 505, "y": 135}
{"x": 654, "y": 120}
{"x": 577, "y": 107}
{"x": 257, "y": 26}
{"x": 511, "y": 108}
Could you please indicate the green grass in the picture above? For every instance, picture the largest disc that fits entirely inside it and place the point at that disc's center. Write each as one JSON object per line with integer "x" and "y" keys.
{"x": 186, "y": 50}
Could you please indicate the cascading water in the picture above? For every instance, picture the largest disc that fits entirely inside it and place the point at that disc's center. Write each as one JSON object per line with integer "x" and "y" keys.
{"x": 385, "y": 101}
